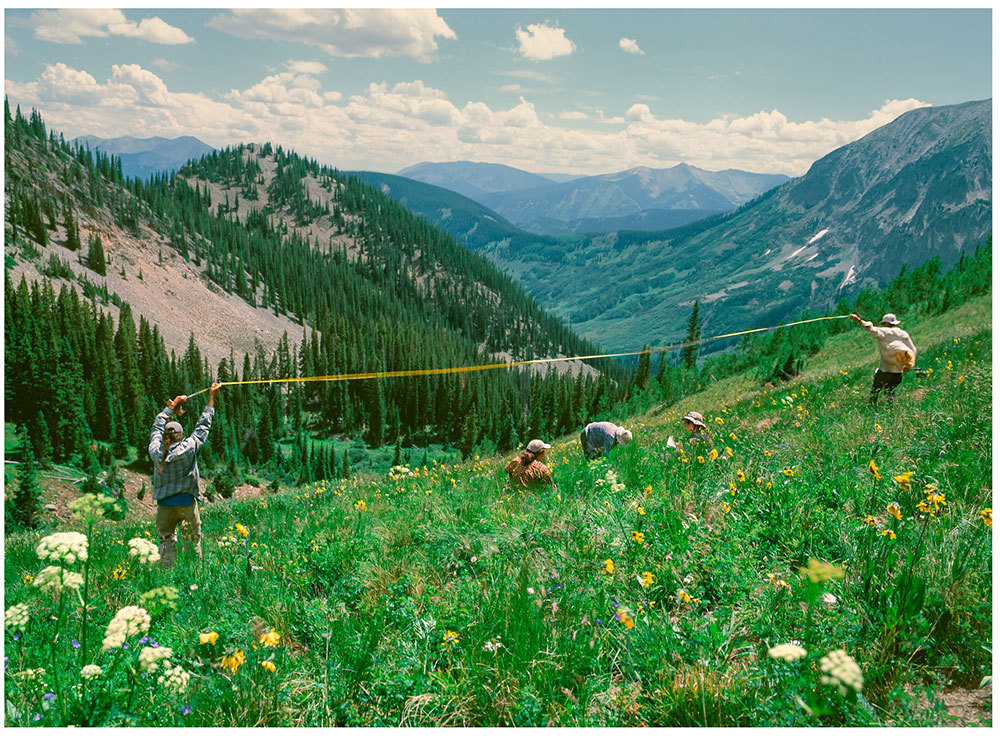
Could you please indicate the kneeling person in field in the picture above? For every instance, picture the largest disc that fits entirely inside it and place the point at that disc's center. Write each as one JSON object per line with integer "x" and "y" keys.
{"x": 175, "y": 475}
{"x": 527, "y": 470}
{"x": 597, "y": 439}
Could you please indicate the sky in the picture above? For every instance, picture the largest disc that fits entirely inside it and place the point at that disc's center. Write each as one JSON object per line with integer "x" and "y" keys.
{"x": 561, "y": 90}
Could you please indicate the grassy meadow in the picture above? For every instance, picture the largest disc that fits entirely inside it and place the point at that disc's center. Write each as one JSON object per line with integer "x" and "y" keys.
{"x": 831, "y": 566}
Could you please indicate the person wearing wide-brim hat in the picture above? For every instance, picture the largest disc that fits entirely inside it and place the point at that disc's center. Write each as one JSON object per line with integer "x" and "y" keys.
{"x": 695, "y": 424}
{"x": 897, "y": 354}
{"x": 527, "y": 471}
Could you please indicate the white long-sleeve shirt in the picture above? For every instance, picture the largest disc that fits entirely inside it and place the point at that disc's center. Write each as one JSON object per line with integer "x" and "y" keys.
{"x": 890, "y": 342}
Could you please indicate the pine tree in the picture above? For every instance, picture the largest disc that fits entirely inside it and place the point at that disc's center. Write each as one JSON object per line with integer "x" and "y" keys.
{"x": 642, "y": 372}
{"x": 690, "y": 353}
{"x": 72, "y": 232}
{"x": 95, "y": 255}
{"x": 26, "y": 502}
{"x": 347, "y": 464}
{"x": 470, "y": 434}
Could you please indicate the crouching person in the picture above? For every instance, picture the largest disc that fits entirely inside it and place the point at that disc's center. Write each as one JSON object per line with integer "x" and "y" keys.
{"x": 527, "y": 471}
{"x": 176, "y": 486}
{"x": 597, "y": 439}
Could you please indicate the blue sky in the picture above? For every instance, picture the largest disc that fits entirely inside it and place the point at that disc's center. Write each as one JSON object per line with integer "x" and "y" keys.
{"x": 557, "y": 90}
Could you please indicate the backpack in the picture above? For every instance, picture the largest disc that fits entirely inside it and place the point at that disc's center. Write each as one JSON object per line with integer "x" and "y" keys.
{"x": 906, "y": 360}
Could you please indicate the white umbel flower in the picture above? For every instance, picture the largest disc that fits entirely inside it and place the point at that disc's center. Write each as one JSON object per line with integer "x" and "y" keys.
{"x": 17, "y": 617}
{"x": 175, "y": 679}
{"x": 842, "y": 671}
{"x": 56, "y": 578}
{"x": 143, "y": 550}
{"x": 66, "y": 548}
{"x": 150, "y": 658}
{"x": 127, "y": 622}
{"x": 91, "y": 671}
{"x": 786, "y": 652}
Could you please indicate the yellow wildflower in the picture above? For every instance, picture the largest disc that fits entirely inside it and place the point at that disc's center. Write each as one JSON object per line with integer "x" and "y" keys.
{"x": 119, "y": 573}
{"x": 878, "y": 428}
{"x": 450, "y": 638}
{"x": 701, "y": 459}
{"x": 788, "y": 472}
{"x": 725, "y": 506}
{"x": 987, "y": 516}
{"x": 713, "y": 454}
{"x": 729, "y": 452}
{"x": 210, "y": 638}
{"x": 28, "y": 579}
{"x": 648, "y": 490}
{"x": 242, "y": 531}
{"x": 269, "y": 639}
{"x": 234, "y": 661}
{"x": 740, "y": 475}
{"x": 647, "y": 578}
{"x": 684, "y": 598}
{"x": 360, "y": 506}
{"x": 820, "y": 571}
{"x": 269, "y": 665}
{"x": 890, "y": 533}
{"x": 638, "y": 537}
{"x": 874, "y": 469}
{"x": 625, "y": 618}
{"x": 640, "y": 510}
{"x": 609, "y": 566}
{"x": 719, "y": 420}
{"x": 870, "y": 520}
{"x": 903, "y": 480}
{"x": 732, "y": 488}
{"x": 893, "y": 509}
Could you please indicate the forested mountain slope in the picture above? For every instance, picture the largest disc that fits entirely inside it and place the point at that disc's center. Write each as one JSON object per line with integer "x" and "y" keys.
{"x": 237, "y": 249}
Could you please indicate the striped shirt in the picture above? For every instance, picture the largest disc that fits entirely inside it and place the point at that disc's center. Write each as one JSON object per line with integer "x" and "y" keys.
{"x": 177, "y": 472}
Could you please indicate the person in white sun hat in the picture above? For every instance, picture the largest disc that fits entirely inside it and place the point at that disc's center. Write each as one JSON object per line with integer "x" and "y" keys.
{"x": 527, "y": 471}
{"x": 695, "y": 424}
{"x": 897, "y": 354}
{"x": 598, "y": 439}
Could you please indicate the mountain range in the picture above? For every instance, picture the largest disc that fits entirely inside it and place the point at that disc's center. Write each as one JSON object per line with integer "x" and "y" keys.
{"x": 917, "y": 188}
{"x": 635, "y": 199}
{"x": 142, "y": 157}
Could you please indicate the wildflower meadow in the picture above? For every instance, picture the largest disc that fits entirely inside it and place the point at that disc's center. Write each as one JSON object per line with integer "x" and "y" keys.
{"x": 826, "y": 562}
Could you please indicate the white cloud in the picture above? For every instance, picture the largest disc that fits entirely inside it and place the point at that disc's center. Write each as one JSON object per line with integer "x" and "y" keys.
{"x": 305, "y": 67}
{"x": 542, "y": 42}
{"x": 365, "y": 32}
{"x": 375, "y": 128}
{"x": 165, "y": 66}
{"x": 629, "y": 45}
{"x": 70, "y": 25}
{"x": 10, "y": 46}
{"x": 525, "y": 74}
{"x": 511, "y": 88}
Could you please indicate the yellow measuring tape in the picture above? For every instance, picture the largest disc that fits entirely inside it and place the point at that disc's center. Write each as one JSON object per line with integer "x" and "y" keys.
{"x": 508, "y": 364}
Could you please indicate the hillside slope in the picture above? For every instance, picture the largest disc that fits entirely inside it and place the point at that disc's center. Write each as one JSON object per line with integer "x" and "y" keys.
{"x": 647, "y": 590}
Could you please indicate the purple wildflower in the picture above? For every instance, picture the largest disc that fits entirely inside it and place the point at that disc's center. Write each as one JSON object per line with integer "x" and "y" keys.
{"x": 186, "y": 709}
{"x": 76, "y": 643}
{"x": 48, "y": 696}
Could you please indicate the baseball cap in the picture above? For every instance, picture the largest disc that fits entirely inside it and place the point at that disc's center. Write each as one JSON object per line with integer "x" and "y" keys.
{"x": 535, "y": 446}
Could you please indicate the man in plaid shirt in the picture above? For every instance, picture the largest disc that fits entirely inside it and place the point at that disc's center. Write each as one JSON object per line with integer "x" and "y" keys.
{"x": 176, "y": 486}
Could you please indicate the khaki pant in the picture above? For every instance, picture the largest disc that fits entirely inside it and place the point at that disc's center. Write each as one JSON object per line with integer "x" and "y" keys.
{"x": 167, "y": 518}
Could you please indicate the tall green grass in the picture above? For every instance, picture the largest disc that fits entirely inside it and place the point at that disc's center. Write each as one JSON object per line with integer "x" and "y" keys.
{"x": 367, "y": 597}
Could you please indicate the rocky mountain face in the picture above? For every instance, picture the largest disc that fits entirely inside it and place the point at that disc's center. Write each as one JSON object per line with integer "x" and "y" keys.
{"x": 141, "y": 157}
{"x": 914, "y": 189}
